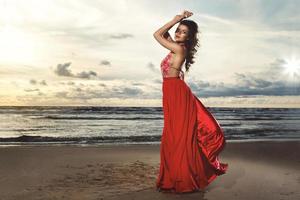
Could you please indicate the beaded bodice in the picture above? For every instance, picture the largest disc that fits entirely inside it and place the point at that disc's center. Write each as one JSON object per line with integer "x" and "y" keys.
{"x": 165, "y": 67}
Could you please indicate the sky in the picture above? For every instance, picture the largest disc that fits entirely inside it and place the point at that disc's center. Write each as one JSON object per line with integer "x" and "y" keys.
{"x": 98, "y": 53}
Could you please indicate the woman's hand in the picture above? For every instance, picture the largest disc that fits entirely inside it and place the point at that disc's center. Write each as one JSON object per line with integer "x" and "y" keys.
{"x": 184, "y": 15}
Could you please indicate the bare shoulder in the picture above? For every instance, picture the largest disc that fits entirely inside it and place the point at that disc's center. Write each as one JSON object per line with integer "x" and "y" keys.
{"x": 180, "y": 50}
{"x": 177, "y": 58}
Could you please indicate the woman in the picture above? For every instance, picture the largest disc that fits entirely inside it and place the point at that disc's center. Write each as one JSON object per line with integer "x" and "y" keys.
{"x": 191, "y": 138}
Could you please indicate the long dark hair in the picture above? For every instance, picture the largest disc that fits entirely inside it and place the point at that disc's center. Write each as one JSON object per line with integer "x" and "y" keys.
{"x": 192, "y": 43}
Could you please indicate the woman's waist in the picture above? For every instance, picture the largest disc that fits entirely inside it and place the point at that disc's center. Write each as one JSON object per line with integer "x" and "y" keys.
{"x": 170, "y": 79}
{"x": 166, "y": 78}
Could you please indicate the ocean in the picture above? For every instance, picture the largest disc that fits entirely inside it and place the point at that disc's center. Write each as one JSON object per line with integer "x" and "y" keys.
{"x": 134, "y": 125}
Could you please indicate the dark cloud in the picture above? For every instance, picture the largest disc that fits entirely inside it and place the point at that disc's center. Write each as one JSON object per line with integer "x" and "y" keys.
{"x": 86, "y": 75}
{"x": 63, "y": 70}
{"x": 105, "y": 62}
{"x": 35, "y": 82}
{"x": 132, "y": 91}
{"x": 32, "y": 81}
{"x": 43, "y": 82}
{"x": 276, "y": 88}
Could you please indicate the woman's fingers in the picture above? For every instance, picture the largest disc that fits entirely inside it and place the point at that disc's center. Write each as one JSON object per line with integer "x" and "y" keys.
{"x": 187, "y": 13}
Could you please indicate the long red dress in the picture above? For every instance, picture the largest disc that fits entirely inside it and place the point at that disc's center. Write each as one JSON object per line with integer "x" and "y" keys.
{"x": 191, "y": 138}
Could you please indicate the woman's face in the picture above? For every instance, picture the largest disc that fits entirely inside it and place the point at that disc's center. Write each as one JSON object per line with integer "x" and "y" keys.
{"x": 181, "y": 33}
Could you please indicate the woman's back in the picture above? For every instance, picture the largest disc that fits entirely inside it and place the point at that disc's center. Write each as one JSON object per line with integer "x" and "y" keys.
{"x": 168, "y": 70}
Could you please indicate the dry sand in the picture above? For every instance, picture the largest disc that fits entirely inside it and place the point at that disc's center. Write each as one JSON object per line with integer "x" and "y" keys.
{"x": 257, "y": 170}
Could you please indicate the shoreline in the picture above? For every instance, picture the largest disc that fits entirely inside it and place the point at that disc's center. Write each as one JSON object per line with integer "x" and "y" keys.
{"x": 13, "y": 144}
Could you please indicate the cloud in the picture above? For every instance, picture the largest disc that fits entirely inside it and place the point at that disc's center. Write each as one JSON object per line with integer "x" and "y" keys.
{"x": 86, "y": 75}
{"x": 131, "y": 91}
{"x": 249, "y": 81}
{"x": 31, "y": 90}
{"x": 43, "y": 82}
{"x": 138, "y": 84}
{"x": 121, "y": 36}
{"x": 270, "y": 82}
{"x": 63, "y": 70}
{"x": 105, "y": 62}
{"x": 62, "y": 94}
{"x": 85, "y": 36}
{"x": 157, "y": 81}
{"x": 237, "y": 36}
{"x": 152, "y": 67}
{"x": 112, "y": 89}
{"x": 70, "y": 83}
{"x": 92, "y": 93}
{"x": 41, "y": 93}
{"x": 35, "y": 82}
{"x": 78, "y": 89}
{"x": 32, "y": 81}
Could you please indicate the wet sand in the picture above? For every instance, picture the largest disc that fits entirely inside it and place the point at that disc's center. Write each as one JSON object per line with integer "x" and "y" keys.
{"x": 257, "y": 170}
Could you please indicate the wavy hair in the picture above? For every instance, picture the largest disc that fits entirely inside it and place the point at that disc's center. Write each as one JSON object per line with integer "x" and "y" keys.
{"x": 191, "y": 43}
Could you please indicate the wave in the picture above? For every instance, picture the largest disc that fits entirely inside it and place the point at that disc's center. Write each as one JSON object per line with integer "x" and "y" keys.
{"x": 24, "y": 139}
{"x": 98, "y": 118}
{"x": 99, "y": 139}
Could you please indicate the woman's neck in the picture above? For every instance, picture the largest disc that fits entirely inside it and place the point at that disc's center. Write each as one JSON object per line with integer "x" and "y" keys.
{"x": 181, "y": 43}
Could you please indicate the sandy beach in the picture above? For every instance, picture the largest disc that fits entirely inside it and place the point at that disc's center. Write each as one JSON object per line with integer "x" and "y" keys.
{"x": 257, "y": 170}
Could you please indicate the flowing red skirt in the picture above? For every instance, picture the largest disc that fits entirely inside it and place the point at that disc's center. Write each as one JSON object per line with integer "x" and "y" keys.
{"x": 190, "y": 143}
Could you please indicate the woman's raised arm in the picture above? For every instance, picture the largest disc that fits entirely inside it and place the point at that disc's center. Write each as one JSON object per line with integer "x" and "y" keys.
{"x": 160, "y": 33}
{"x": 159, "y": 36}
{"x": 168, "y": 36}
